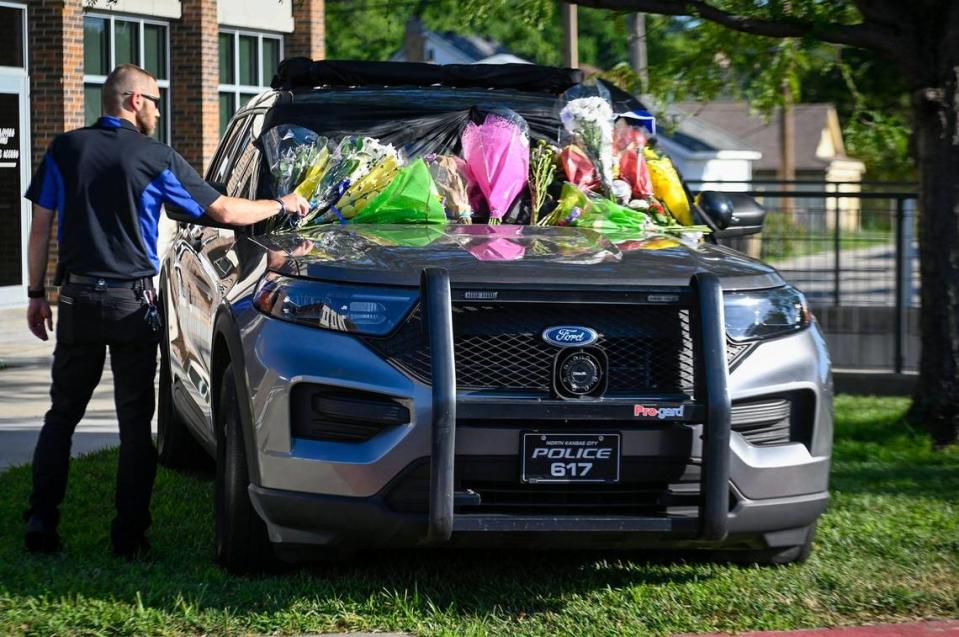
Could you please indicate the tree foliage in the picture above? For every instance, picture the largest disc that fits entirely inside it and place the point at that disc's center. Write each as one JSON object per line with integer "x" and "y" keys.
{"x": 689, "y": 59}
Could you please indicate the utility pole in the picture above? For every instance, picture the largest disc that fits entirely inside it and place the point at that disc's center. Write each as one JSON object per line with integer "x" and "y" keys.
{"x": 570, "y": 35}
{"x": 787, "y": 140}
{"x": 636, "y": 23}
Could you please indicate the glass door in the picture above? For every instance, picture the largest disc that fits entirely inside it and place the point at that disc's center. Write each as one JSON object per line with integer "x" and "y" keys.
{"x": 15, "y": 166}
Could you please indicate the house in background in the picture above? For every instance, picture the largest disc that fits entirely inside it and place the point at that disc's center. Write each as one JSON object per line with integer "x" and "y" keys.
{"x": 706, "y": 155}
{"x": 820, "y": 154}
{"x": 423, "y": 45}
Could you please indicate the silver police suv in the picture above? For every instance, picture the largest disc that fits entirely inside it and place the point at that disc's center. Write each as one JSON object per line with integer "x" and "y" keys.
{"x": 394, "y": 386}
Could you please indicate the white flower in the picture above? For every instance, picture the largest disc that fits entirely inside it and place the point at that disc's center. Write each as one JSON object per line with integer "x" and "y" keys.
{"x": 585, "y": 109}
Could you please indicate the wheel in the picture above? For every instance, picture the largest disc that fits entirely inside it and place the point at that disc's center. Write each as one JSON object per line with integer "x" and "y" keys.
{"x": 176, "y": 446}
{"x": 770, "y": 557}
{"x": 242, "y": 543}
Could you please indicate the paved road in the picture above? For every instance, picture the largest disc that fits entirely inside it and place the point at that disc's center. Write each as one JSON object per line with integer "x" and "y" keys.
{"x": 867, "y": 276}
{"x": 24, "y": 395}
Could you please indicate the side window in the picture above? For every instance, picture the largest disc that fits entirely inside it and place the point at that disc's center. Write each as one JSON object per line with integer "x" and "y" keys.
{"x": 233, "y": 140}
{"x": 241, "y": 180}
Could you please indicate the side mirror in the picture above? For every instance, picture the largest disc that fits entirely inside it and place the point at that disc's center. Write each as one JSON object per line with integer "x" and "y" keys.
{"x": 733, "y": 213}
{"x": 718, "y": 206}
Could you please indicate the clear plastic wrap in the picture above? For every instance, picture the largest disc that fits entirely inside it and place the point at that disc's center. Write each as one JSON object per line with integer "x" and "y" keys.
{"x": 411, "y": 197}
{"x": 629, "y": 142}
{"x": 291, "y": 152}
{"x": 453, "y": 181}
{"x": 587, "y": 118}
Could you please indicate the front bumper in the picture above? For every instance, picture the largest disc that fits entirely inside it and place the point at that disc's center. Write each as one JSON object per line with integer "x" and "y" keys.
{"x": 334, "y": 494}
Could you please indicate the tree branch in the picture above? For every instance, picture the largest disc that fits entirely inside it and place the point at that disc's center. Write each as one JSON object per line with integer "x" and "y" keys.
{"x": 867, "y": 35}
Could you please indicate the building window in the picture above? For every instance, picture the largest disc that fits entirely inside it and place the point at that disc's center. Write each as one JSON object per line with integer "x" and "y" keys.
{"x": 11, "y": 34}
{"x": 109, "y": 41}
{"x": 248, "y": 61}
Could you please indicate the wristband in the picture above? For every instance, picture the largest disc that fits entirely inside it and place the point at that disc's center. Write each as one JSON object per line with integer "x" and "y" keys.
{"x": 283, "y": 207}
{"x": 37, "y": 294}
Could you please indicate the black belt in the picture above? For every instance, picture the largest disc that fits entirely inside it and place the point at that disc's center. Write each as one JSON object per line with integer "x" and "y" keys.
{"x": 146, "y": 283}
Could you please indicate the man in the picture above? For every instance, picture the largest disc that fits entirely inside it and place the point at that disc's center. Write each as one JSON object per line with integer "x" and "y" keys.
{"x": 107, "y": 183}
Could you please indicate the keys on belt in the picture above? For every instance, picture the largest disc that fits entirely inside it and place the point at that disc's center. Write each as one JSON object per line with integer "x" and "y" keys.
{"x": 143, "y": 287}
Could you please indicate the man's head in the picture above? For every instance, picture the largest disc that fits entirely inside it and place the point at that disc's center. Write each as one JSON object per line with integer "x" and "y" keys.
{"x": 132, "y": 94}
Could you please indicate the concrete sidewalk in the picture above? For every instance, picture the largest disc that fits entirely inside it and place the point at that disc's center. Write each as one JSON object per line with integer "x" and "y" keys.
{"x": 915, "y": 629}
{"x": 25, "y": 395}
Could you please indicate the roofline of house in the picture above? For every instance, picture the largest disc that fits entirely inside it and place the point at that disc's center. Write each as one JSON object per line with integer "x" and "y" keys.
{"x": 674, "y": 147}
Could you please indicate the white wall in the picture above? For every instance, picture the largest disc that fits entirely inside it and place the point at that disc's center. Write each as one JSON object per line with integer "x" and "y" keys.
{"x": 169, "y": 9}
{"x": 261, "y": 15}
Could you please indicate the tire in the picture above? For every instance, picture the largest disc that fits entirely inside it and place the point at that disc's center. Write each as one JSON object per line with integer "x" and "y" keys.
{"x": 242, "y": 543}
{"x": 176, "y": 446}
{"x": 774, "y": 556}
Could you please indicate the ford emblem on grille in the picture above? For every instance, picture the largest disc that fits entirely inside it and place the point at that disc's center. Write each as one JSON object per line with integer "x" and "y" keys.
{"x": 570, "y": 336}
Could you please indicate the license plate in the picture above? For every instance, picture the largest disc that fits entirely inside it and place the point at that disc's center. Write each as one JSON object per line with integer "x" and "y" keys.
{"x": 552, "y": 457}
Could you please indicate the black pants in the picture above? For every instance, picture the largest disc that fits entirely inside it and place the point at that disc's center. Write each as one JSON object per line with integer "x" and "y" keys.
{"x": 89, "y": 321}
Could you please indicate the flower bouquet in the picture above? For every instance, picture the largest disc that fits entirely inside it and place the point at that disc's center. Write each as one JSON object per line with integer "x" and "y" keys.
{"x": 668, "y": 187}
{"x": 629, "y": 143}
{"x": 497, "y": 154}
{"x": 542, "y": 169}
{"x": 353, "y": 158}
{"x": 411, "y": 197}
{"x": 577, "y": 209}
{"x": 362, "y": 191}
{"x": 291, "y": 151}
{"x": 589, "y": 124}
{"x": 452, "y": 178}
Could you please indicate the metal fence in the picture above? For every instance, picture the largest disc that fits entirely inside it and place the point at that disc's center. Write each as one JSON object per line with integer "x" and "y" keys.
{"x": 851, "y": 248}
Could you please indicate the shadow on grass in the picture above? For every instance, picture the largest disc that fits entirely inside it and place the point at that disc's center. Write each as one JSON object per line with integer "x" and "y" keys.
{"x": 940, "y": 482}
{"x": 182, "y": 571}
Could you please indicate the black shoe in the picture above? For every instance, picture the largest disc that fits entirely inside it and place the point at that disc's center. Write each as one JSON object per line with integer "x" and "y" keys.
{"x": 41, "y": 537}
{"x": 131, "y": 549}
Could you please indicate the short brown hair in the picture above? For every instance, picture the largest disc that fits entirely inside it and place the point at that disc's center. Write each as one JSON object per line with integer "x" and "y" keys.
{"x": 123, "y": 79}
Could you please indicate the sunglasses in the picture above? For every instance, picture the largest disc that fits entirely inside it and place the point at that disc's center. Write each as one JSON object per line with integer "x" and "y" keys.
{"x": 153, "y": 98}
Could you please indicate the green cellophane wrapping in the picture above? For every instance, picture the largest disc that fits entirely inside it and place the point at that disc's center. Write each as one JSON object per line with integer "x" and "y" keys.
{"x": 411, "y": 197}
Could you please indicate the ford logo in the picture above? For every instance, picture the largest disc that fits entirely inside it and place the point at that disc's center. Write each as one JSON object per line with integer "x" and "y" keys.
{"x": 570, "y": 336}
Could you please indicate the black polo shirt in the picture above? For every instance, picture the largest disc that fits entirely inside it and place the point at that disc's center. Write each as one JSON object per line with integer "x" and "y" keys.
{"x": 107, "y": 183}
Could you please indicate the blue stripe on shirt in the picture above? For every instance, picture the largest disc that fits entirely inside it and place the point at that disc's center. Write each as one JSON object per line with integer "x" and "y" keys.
{"x": 165, "y": 188}
{"x": 52, "y": 193}
{"x": 110, "y": 121}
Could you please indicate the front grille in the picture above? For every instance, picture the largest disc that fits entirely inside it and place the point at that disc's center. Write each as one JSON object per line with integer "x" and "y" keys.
{"x": 647, "y": 487}
{"x": 498, "y": 346}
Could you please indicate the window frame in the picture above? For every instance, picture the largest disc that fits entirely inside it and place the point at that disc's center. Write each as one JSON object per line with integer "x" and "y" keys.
{"x": 100, "y": 80}
{"x": 24, "y": 24}
{"x": 236, "y": 89}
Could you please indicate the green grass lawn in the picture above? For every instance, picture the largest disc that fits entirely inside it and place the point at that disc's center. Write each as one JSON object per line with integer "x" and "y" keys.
{"x": 779, "y": 248}
{"x": 887, "y": 550}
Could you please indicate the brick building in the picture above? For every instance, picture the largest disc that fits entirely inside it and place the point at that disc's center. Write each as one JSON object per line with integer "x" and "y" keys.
{"x": 209, "y": 56}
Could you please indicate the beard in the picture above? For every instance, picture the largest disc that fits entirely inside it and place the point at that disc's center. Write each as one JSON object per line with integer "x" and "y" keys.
{"x": 146, "y": 124}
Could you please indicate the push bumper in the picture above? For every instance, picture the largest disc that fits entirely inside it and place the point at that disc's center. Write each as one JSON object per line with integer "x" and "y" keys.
{"x": 332, "y": 520}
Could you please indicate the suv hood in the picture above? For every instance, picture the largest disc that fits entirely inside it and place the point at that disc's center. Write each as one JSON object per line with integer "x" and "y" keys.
{"x": 507, "y": 255}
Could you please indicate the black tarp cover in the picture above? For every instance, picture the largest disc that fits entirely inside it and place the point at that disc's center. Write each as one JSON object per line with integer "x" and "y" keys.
{"x": 302, "y": 72}
{"x": 419, "y": 120}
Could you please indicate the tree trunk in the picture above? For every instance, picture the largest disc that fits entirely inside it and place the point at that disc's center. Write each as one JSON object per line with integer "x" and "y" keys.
{"x": 935, "y": 110}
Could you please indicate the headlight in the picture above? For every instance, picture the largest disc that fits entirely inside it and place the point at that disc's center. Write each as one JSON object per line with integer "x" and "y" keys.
{"x": 356, "y": 309}
{"x": 764, "y": 313}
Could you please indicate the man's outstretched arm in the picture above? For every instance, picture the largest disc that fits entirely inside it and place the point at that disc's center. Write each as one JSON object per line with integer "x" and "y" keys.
{"x": 39, "y": 316}
{"x": 237, "y": 211}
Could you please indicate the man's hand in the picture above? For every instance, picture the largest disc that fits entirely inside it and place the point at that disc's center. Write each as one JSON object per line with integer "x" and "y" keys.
{"x": 40, "y": 318}
{"x": 296, "y": 204}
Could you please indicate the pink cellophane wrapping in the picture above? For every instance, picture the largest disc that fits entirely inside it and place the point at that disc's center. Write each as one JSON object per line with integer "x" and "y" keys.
{"x": 497, "y": 153}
